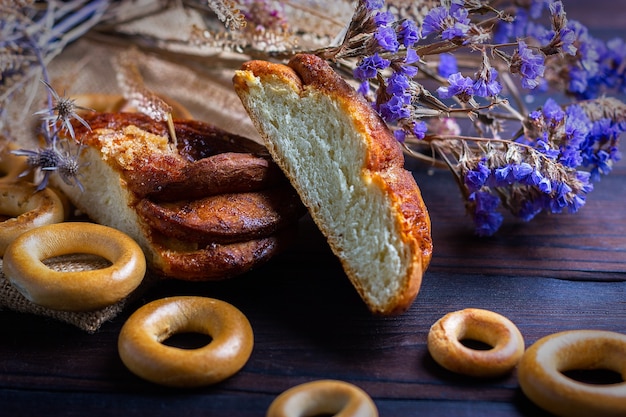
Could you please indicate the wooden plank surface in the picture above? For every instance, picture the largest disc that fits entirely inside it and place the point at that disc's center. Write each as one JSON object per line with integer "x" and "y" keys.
{"x": 587, "y": 245}
{"x": 310, "y": 324}
{"x": 556, "y": 273}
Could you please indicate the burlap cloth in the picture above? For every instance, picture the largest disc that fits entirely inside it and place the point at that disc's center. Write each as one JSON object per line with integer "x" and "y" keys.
{"x": 198, "y": 78}
{"x": 89, "y": 321}
{"x": 203, "y": 87}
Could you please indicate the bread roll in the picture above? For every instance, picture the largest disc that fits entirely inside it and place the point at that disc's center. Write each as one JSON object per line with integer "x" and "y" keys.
{"x": 348, "y": 169}
{"x": 135, "y": 180}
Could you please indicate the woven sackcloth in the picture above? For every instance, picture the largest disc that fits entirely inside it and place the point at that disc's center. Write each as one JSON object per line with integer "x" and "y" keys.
{"x": 201, "y": 86}
{"x": 89, "y": 321}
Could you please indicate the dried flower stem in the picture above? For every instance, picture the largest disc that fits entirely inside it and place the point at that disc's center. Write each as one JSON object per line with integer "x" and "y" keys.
{"x": 132, "y": 85}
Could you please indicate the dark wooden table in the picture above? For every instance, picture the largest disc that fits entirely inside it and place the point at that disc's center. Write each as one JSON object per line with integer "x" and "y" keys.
{"x": 556, "y": 273}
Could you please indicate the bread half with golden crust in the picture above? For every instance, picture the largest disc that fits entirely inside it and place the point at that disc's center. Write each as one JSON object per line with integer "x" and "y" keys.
{"x": 210, "y": 208}
{"x": 348, "y": 169}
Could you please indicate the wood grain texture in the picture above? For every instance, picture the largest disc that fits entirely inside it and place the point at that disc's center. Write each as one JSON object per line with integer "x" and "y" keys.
{"x": 309, "y": 323}
{"x": 555, "y": 273}
{"x": 588, "y": 245}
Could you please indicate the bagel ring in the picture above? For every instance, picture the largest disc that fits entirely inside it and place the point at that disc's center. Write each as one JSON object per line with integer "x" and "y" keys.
{"x": 542, "y": 381}
{"x": 75, "y": 290}
{"x": 444, "y": 343}
{"x": 27, "y": 209}
{"x": 141, "y": 349}
{"x": 323, "y": 397}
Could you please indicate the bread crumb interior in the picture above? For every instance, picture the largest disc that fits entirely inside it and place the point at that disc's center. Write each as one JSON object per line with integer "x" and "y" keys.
{"x": 319, "y": 146}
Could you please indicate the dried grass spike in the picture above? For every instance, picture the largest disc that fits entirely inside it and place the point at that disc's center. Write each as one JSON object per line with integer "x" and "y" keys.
{"x": 228, "y": 13}
{"x": 605, "y": 107}
{"x": 134, "y": 90}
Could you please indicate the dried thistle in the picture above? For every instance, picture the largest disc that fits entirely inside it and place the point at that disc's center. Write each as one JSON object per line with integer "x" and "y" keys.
{"x": 63, "y": 111}
{"x": 55, "y": 155}
{"x": 53, "y": 158}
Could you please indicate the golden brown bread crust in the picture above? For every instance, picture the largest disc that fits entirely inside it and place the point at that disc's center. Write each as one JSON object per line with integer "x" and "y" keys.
{"x": 384, "y": 162}
{"x": 323, "y": 397}
{"x": 446, "y": 335}
{"x": 248, "y": 215}
{"x": 167, "y": 179}
{"x": 210, "y": 209}
{"x": 384, "y": 155}
{"x": 542, "y": 378}
{"x": 209, "y": 161}
{"x": 218, "y": 261}
{"x": 77, "y": 290}
{"x": 142, "y": 349}
{"x": 25, "y": 209}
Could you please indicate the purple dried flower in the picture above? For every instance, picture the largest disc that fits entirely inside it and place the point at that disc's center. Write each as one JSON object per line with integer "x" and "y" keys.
{"x": 434, "y": 21}
{"x": 461, "y": 24}
{"x": 543, "y": 183}
{"x": 476, "y": 178}
{"x": 599, "y": 149}
{"x": 563, "y": 37}
{"x": 384, "y": 18}
{"x": 522, "y": 172}
{"x": 411, "y": 56}
{"x": 528, "y": 209}
{"x": 387, "y": 38}
{"x": 364, "y": 88}
{"x": 505, "y": 31}
{"x": 400, "y": 135}
{"x": 503, "y": 176}
{"x": 447, "y": 65}
{"x": 560, "y": 199}
{"x": 556, "y": 9}
{"x": 537, "y": 6}
{"x": 419, "y": 129}
{"x": 543, "y": 146}
{"x": 489, "y": 86}
{"x": 409, "y": 33}
{"x": 369, "y": 67}
{"x": 398, "y": 84}
{"x": 552, "y": 111}
{"x": 449, "y": 23}
{"x": 603, "y": 67}
{"x": 460, "y": 86}
{"x": 406, "y": 68}
{"x": 455, "y": 5}
{"x": 528, "y": 64}
{"x": 568, "y": 38}
{"x": 396, "y": 108}
{"x": 372, "y": 5}
{"x": 487, "y": 220}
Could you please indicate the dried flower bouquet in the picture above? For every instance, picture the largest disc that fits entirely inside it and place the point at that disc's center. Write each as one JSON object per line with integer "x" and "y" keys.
{"x": 452, "y": 78}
